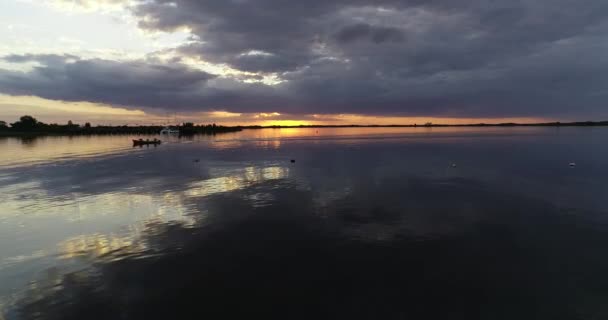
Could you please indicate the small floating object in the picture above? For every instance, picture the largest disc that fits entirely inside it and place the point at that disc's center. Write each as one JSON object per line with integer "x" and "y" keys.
{"x": 572, "y": 164}
{"x": 293, "y": 161}
{"x": 453, "y": 165}
{"x": 197, "y": 160}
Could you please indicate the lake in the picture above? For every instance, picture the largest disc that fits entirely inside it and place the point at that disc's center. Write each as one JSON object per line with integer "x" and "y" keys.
{"x": 365, "y": 223}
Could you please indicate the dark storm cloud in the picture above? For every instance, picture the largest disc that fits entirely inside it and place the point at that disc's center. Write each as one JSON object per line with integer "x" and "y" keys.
{"x": 138, "y": 84}
{"x": 410, "y": 57}
{"x": 134, "y": 83}
{"x": 365, "y": 31}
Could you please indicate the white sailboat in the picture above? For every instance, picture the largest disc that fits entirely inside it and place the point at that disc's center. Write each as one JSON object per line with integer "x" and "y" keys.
{"x": 169, "y": 130}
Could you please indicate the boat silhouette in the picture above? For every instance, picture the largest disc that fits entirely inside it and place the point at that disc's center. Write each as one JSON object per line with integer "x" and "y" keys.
{"x": 142, "y": 142}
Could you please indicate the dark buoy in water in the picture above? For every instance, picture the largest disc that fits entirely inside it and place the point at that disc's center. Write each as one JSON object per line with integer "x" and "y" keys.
{"x": 197, "y": 160}
{"x": 572, "y": 164}
{"x": 293, "y": 161}
{"x": 453, "y": 165}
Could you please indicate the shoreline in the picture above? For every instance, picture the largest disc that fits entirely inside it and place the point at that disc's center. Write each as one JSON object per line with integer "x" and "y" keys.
{"x": 130, "y": 131}
{"x": 541, "y": 124}
{"x": 9, "y": 133}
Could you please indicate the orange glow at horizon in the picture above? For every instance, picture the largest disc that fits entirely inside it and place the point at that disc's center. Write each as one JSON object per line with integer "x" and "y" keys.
{"x": 286, "y": 123}
{"x": 355, "y": 119}
{"x": 11, "y": 107}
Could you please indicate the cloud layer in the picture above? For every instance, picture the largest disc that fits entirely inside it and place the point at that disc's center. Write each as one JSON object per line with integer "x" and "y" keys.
{"x": 419, "y": 58}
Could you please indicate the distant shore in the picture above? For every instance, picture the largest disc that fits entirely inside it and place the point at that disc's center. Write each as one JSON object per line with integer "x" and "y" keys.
{"x": 432, "y": 125}
{"x": 28, "y": 126}
{"x": 213, "y": 129}
{"x": 111, "y": 130}
{"x": 122, "y": 131}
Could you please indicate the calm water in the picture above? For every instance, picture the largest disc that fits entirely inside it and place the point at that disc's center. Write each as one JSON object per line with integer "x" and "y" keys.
{"x": 399, "y": 223}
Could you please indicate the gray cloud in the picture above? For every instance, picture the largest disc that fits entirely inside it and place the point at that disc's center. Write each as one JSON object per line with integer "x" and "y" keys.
{"x": 432, "y": 58}
{"x": 48, "y": 59}
{"x": 134, "y": 83}
{"x": 361, "y": 31}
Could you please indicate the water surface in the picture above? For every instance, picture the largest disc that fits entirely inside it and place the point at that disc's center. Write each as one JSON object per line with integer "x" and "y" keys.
{"x": 367, "y": 223}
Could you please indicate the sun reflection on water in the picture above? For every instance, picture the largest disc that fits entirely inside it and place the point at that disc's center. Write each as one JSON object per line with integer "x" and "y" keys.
{"x": 250, "y": 176}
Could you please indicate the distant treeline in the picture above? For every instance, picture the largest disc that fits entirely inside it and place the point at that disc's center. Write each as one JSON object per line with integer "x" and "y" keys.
{"x": 28, "y": 125}
{"x": 429, "y": 124}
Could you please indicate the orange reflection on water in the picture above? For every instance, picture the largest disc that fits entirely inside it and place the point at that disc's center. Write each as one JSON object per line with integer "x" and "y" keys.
{"x": 268, "y": 144}
{"x": 274, "y": 134}
{"x": 18, "y": 152}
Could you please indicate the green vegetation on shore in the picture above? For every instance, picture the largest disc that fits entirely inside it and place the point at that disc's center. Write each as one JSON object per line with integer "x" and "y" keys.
{"x": 30, "y": 126}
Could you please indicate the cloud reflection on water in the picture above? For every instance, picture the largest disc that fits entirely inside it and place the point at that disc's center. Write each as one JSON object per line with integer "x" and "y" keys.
{"x": 248, "y": 177}
{"x": 370, "y": 251}
{"x": 371, "y": 220}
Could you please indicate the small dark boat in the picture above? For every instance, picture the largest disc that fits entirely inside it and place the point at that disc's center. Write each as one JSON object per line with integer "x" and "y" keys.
{"x": 142, "y": 142}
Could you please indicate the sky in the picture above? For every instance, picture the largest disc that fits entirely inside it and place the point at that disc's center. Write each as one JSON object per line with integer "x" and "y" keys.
{"x": 304, "y": 62}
